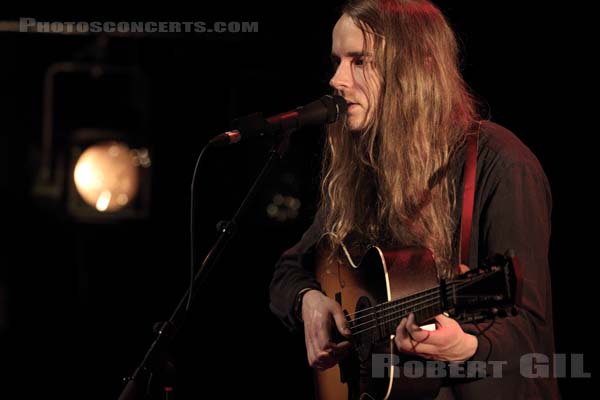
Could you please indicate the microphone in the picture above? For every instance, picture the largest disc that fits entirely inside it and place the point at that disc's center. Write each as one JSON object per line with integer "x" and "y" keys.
{"x": 325, "y": 110}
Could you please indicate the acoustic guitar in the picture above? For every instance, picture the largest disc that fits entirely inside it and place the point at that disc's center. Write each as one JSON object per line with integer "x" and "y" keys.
{"x": 384, "y": 288}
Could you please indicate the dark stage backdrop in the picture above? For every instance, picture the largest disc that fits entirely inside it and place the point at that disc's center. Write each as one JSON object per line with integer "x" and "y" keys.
{"x": 78, "y": 301}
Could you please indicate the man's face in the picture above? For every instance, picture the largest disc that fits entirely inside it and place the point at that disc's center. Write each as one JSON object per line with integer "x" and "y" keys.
{"x": 355, "y": 77}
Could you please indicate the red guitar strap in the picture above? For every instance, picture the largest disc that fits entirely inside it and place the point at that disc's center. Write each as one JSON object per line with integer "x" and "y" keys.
{"x": 470, "y": 175}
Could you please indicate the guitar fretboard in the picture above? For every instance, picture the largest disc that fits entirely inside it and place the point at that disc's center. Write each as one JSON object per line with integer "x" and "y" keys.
{"x": 381, "y": 321}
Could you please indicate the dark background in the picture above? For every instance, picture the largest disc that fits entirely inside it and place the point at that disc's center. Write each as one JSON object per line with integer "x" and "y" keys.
{"x": 78, "y": 300}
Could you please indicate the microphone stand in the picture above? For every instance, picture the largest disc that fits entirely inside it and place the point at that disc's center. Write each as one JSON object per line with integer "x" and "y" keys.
{"x": 167, "y": 331}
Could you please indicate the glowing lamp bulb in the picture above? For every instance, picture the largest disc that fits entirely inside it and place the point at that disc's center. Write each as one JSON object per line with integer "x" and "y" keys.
{"x": 106, "y": 176}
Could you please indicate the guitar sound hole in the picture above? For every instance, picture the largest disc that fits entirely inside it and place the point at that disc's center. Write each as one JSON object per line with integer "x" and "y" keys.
{"x": 365, "y": 325}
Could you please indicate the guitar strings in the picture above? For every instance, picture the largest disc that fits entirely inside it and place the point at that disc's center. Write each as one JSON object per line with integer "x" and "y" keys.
{"x": 432, "y": 298}
{"x": 377, "y": 326}
{"x": 388, "y": 318}
{"x": 460, "y": 284}
{"x": 432, "y": 295}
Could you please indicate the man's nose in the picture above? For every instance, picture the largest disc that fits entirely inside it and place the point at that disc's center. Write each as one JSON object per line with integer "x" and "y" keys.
{"x": 342, "y": 78}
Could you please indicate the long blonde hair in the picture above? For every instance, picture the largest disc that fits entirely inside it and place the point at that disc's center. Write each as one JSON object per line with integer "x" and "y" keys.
{"x": 389, "y": 184}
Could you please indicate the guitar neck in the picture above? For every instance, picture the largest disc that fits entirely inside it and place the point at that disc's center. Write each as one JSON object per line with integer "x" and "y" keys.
{"x": 381, "y": 321}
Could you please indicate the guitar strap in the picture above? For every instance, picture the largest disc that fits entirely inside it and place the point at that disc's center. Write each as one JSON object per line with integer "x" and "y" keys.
{"x": 470, "y": 175}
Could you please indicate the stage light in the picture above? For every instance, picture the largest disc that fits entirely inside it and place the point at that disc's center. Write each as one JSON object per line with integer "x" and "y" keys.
{"x": 95, "y": 163}
{"x": 106, "y": 176}
{"x": 109, "y": 178}
{"x": 283, "y": 208}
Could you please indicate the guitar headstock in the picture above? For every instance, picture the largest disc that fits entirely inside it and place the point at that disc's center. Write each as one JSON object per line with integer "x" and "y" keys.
{"x": 492, "y": 290}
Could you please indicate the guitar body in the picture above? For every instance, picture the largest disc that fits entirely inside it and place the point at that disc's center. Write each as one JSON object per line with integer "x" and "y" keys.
{"x": 380, "y": 277}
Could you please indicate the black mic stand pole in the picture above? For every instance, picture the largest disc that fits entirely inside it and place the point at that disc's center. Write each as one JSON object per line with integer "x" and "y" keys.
{"x": 169, "y": 329}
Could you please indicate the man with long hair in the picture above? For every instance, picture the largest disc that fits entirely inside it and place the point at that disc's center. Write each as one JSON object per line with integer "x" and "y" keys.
{"x": 393, "y": 177}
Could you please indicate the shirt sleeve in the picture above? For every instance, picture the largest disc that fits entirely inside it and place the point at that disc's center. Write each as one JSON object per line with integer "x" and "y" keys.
{"x": 293, "y": 272}
{"x": 516, "y": 215}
